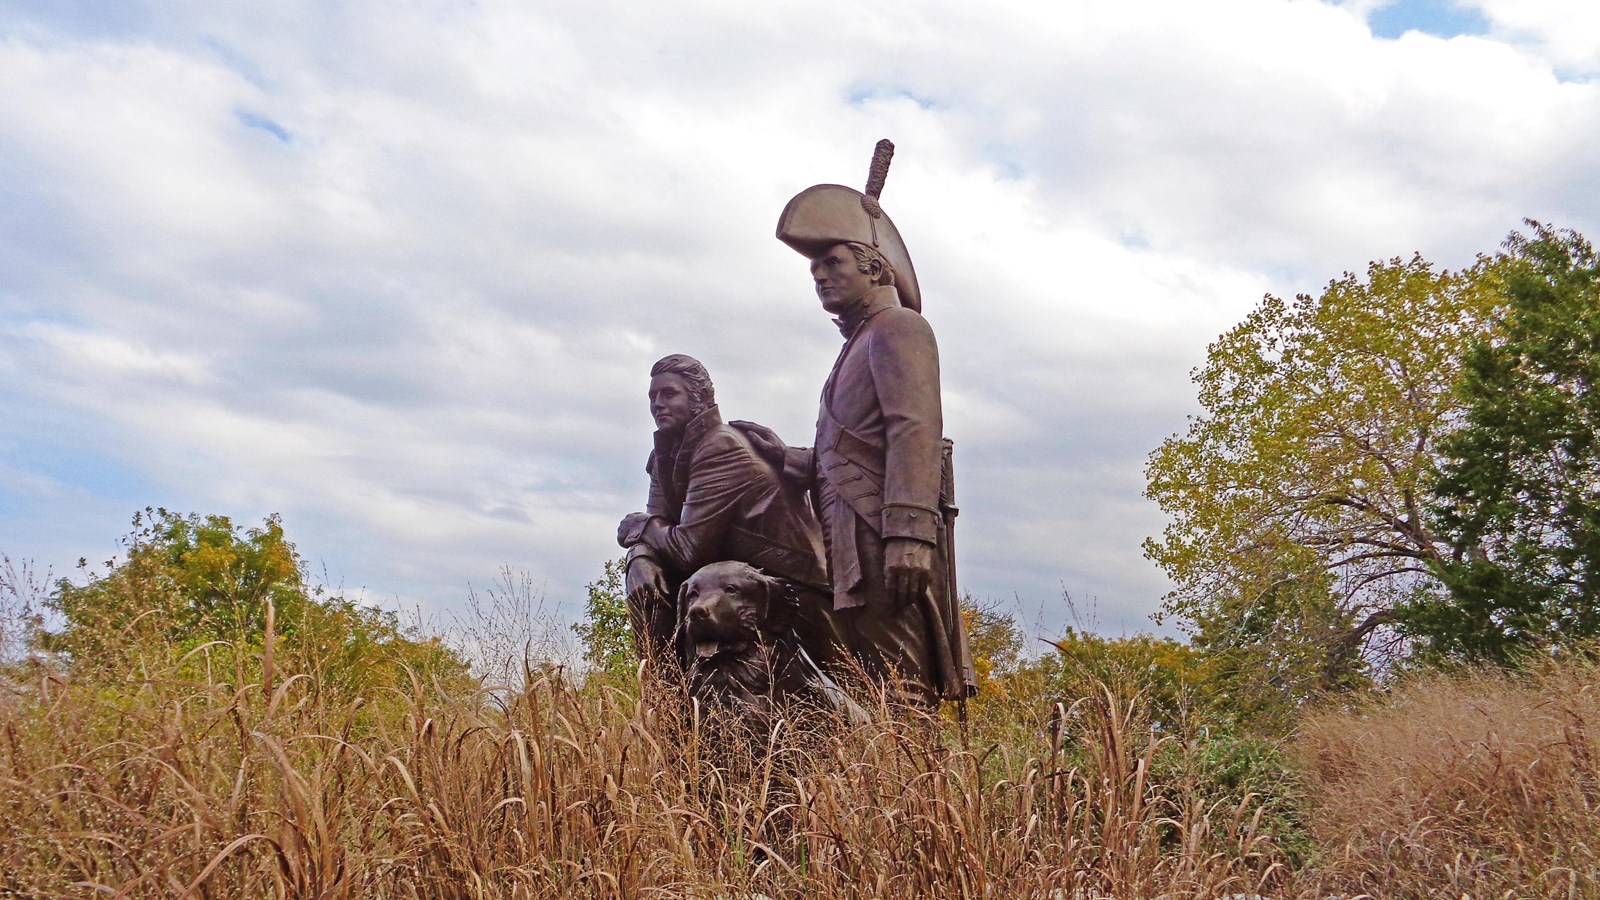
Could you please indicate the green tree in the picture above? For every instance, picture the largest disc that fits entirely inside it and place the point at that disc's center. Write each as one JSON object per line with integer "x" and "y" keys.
{"x": 1297, "y": 496}
{"x": 1519, "y": 492}
{"x": 194, "y": 580}
{"x": 606, "y": 631}
{"x": 186, "y": 580}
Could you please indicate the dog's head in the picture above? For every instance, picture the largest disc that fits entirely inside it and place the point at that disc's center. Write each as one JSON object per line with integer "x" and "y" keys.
{"x": 730, "y": 606}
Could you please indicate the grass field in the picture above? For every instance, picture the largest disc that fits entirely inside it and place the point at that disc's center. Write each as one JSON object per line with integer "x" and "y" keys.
{"x": 227, "y": 776}
{"x": 319, "y": 765}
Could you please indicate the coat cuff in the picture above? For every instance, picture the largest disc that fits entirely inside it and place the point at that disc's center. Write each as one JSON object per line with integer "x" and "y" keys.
{"x": 653, "y": 534}
{"x": 636, "y": 531}
{"x": 799, "y": 465}
{"x": 911, "y": 521}
{"x": 641, "y": 551}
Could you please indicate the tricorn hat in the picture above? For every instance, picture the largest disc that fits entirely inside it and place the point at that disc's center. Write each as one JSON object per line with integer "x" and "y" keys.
{"x": 827, "y": 214}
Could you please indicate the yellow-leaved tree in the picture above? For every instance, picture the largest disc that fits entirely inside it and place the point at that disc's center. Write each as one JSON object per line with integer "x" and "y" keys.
{"x": 1298, "y": 496}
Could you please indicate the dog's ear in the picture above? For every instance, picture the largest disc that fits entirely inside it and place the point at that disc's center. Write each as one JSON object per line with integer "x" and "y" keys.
{"x": 678, "y": 604}
{"x": 783, "y": 602}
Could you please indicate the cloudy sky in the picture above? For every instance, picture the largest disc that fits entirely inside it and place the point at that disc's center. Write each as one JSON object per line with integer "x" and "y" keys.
{"x": 397, "y": 270}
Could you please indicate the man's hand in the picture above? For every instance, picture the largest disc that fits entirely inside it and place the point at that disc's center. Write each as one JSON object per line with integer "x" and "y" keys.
{"x": 908, "y": 569}
{"x": 647, "y": 583}
{"x": 628, "y": 530}
{"x": 763, "y": 440}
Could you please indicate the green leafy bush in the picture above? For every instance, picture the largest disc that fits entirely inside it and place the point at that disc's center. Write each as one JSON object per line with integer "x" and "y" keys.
{"x": 198, "y": 588}
{"x": 606, "y": 632}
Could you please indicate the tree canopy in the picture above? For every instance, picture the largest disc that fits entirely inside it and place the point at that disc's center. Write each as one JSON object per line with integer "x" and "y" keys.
{"x": 1518, "y": 492}
{"x": 192, "y": 581}
{"x": 1298, "y": 496}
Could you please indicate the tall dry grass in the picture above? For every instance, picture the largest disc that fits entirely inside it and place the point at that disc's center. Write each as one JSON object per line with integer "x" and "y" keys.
{"x": 255, "y": 781}
{"x": 23, "y": 593}
{"x": 238, "y": 773}
{"x": 1483, "y": 785}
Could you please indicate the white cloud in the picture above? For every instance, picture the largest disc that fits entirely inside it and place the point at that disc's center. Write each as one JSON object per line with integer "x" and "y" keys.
{"x": 398, "y": 273}
{"x": 1564, "y": 32}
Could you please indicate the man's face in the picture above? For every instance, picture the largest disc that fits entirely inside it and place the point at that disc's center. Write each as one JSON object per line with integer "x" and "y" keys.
{"x": 840, "y": 281}
{"x": 670, "y": 402}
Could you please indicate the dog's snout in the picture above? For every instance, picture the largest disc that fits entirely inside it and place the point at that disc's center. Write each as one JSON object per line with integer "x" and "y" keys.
{"x": 699, "y": 612}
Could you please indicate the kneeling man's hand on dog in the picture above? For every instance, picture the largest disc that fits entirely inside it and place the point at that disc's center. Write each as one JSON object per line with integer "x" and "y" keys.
{"x": 908, "y": 569}
{"x": 646, "y": 582}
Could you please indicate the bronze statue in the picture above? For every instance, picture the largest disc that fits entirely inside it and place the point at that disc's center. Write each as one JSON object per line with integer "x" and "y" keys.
{"x": 879, "y": 471}
{"x": 713, "y": 498}
{"x": 742, "y": 650}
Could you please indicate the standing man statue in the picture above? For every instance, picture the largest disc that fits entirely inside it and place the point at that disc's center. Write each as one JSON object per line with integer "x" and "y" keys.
{"x": 712, "y": 498}
{"x": 879, "y": 472}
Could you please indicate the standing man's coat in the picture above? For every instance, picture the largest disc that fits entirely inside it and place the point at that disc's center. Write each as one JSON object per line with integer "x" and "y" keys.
{"x": 876, "y": 462}
{"x": 875, "y": 472}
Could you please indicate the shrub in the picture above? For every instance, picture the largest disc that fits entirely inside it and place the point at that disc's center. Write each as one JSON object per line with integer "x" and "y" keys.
{"x": 606, "y": 631}
{"x": 199, "y": 589}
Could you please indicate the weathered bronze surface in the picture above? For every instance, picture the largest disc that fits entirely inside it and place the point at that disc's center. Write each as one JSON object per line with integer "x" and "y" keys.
{"x": 713, "y": 498}
{"x": 728, "y": 517}
{"x": 742, "y": 649}
{"x": 879, "y": 470}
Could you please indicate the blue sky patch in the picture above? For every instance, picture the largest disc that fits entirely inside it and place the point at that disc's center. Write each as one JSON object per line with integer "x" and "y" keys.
{"x": 863, "y": 95}
{"x": 79, "y": 18}
{"x": 84, "y": 468}
{"x": 1441, "y": 18}
{"x": 235, "y": 60}
{"x": 262, "y": 123}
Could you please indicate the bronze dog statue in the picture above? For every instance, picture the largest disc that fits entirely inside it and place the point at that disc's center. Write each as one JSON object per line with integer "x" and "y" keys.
{"x": 741, "y": 654}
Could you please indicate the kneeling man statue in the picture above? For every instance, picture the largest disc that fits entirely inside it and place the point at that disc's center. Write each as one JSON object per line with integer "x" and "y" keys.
{"x": 713, "y": 498}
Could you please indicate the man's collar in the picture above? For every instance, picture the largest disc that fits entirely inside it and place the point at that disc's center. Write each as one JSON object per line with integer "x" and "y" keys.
{"x": 874, "y": 301}
{"x": 692, "y": 433}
